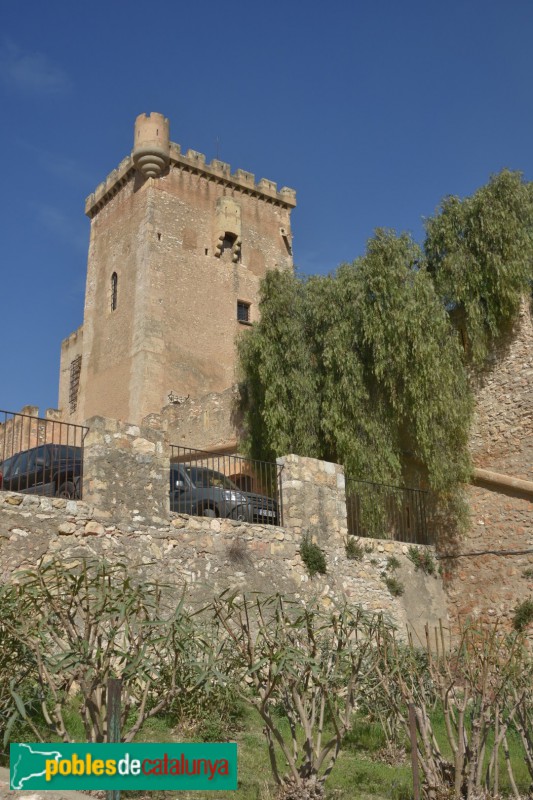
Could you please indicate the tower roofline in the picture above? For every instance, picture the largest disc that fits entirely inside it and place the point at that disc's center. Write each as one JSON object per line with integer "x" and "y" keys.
{"x": 192, "y": 161}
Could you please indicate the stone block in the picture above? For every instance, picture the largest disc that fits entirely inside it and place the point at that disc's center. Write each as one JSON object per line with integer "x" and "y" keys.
{"x": 93, "y": 528}
{"x": 66, "y": 528}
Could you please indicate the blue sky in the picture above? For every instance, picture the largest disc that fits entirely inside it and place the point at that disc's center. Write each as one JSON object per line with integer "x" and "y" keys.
{"x": 372, "y": 111}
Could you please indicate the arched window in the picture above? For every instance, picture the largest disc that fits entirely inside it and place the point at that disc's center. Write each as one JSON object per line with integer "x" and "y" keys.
{"x": 114, "y": 290}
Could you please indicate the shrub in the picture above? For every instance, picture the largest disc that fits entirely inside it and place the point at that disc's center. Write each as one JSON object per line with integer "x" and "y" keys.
{"x": 422, "y": 559}
{"x": 313, "y": 557}
{"x": 395, "y": 587}
{"x": 528, "y": 573}
{"x": 82, "y": 625}
{"x": 467, "y": 688}
{"x": 523, "y": 615}
{"x": 354, "y": 550}
{"x": 306, "y": 661}
{"x": 393, "y": 562}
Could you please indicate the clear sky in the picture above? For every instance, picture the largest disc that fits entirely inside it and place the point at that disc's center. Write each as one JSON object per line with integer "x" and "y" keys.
{"x": 372, "y": 111}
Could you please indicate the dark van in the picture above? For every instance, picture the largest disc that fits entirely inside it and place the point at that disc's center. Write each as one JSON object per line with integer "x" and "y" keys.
{"x": 50, "y": 469}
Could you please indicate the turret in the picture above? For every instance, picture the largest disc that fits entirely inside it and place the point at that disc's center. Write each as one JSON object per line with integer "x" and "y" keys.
{"x": 151, "y": 146}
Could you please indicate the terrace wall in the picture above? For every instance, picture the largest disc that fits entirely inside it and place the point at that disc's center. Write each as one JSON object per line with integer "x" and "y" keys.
{"x": 124, "y": 516}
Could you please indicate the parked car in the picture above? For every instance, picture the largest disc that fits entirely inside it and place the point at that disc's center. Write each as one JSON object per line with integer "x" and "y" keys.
{"x": 49, "y": 469}
{"x": 204, "y": 492}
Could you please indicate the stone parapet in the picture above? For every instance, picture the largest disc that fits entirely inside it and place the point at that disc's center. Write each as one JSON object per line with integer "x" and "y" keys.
{"x": 126, "y": 471}
{"x": 314, "y": 499}
{"x": 207, "y": 556}
{"x": 217, "y": 170}
{"x": 108, "y": 188}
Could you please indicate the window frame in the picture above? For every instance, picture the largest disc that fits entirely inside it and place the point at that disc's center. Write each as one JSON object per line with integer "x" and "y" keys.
{"x": 246, "y": 306}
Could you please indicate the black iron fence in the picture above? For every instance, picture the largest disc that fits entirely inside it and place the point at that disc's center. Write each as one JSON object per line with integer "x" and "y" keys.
{"x": 41, "y": 456}
{"x": 379, "y": 511}
{"x": 219, "y": 485}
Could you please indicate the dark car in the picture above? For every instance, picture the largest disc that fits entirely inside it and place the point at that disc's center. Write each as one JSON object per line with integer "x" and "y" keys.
{"x": 49, "y": 469}
{"x": 204, "y": 492}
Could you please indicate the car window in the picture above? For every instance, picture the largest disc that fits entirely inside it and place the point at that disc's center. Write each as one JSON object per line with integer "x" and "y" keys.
{"x": 20, "y": 466}
{"x": 67, "y": 453}
{"x": 209, "y": 479}
{"x": 38, "y": 458}
{"x": 176, "y": 474}
{"x": 6, "y": 467}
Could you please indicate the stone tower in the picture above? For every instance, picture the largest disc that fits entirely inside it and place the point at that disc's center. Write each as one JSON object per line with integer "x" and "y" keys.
{"x": 177, "y": 251}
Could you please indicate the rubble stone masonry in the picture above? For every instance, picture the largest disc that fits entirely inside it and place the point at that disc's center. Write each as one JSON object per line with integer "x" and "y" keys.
{"x": 211, "y": 555}
{"x": 486, "y": 576}
{"x": 125, "y": 517}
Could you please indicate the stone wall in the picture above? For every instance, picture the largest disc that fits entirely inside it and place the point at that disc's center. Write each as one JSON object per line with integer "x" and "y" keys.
{"x": 502, "y": 437}
{"x": 485, "y": 575}
{"x": 210, "y": 555}
{"x": 125, "y": 515}
{"x": 126, "y": 471}
{"x": 314, "y": 499}
{"x": 210, "y": 422}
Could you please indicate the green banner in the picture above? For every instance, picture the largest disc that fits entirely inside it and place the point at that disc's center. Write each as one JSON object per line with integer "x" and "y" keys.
{"x": 123, "y": 766}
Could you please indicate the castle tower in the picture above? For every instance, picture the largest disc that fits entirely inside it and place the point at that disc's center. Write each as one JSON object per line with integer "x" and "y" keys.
{"x": 177, "y": 251}
{"x": 151, "y": 144}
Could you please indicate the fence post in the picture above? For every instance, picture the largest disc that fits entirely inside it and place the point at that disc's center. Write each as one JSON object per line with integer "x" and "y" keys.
{"x": 114, "y": 692}
{"x": 414, "y": 751}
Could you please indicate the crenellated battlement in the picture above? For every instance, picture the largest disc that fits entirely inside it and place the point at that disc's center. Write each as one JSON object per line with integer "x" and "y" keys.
{"x": 192, "y": 161}
{"x": 72, "y": 340}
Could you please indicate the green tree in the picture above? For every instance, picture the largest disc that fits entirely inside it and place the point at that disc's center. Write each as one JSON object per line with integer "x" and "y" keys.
{"x": 280, "y": 391}
{"x": 82, "y": 624}
{"x": 480, "y": 254}
{"x": 366, "y": 367}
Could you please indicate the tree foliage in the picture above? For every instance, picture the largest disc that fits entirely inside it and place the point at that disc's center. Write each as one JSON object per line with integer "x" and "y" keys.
{"x": 366, "y": 367}
{"x": 480, "y": 253}
{"x": 287, "y": 409}
{"x": 375, "y": 372}
{"x": 303, "y": 665}
{"x": 83, "y": 624}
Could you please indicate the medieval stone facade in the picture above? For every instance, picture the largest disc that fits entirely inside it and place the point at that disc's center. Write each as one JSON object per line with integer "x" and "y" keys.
{"x": 177, "y": 252}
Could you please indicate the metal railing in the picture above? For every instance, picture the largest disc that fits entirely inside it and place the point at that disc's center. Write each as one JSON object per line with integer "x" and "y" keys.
{"x": 218, "y": 485}
{"x": 41, "y": 456}
{"x": 379, "y": 511}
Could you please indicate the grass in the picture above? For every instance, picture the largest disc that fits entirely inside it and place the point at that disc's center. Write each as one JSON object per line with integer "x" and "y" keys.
{"x": 515, "y": 752}
{"x": 359, "y": 772}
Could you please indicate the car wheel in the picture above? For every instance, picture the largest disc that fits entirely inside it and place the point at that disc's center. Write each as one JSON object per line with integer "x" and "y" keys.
{"x": 67, "y": 490}
{"x": 240, "y": 513}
